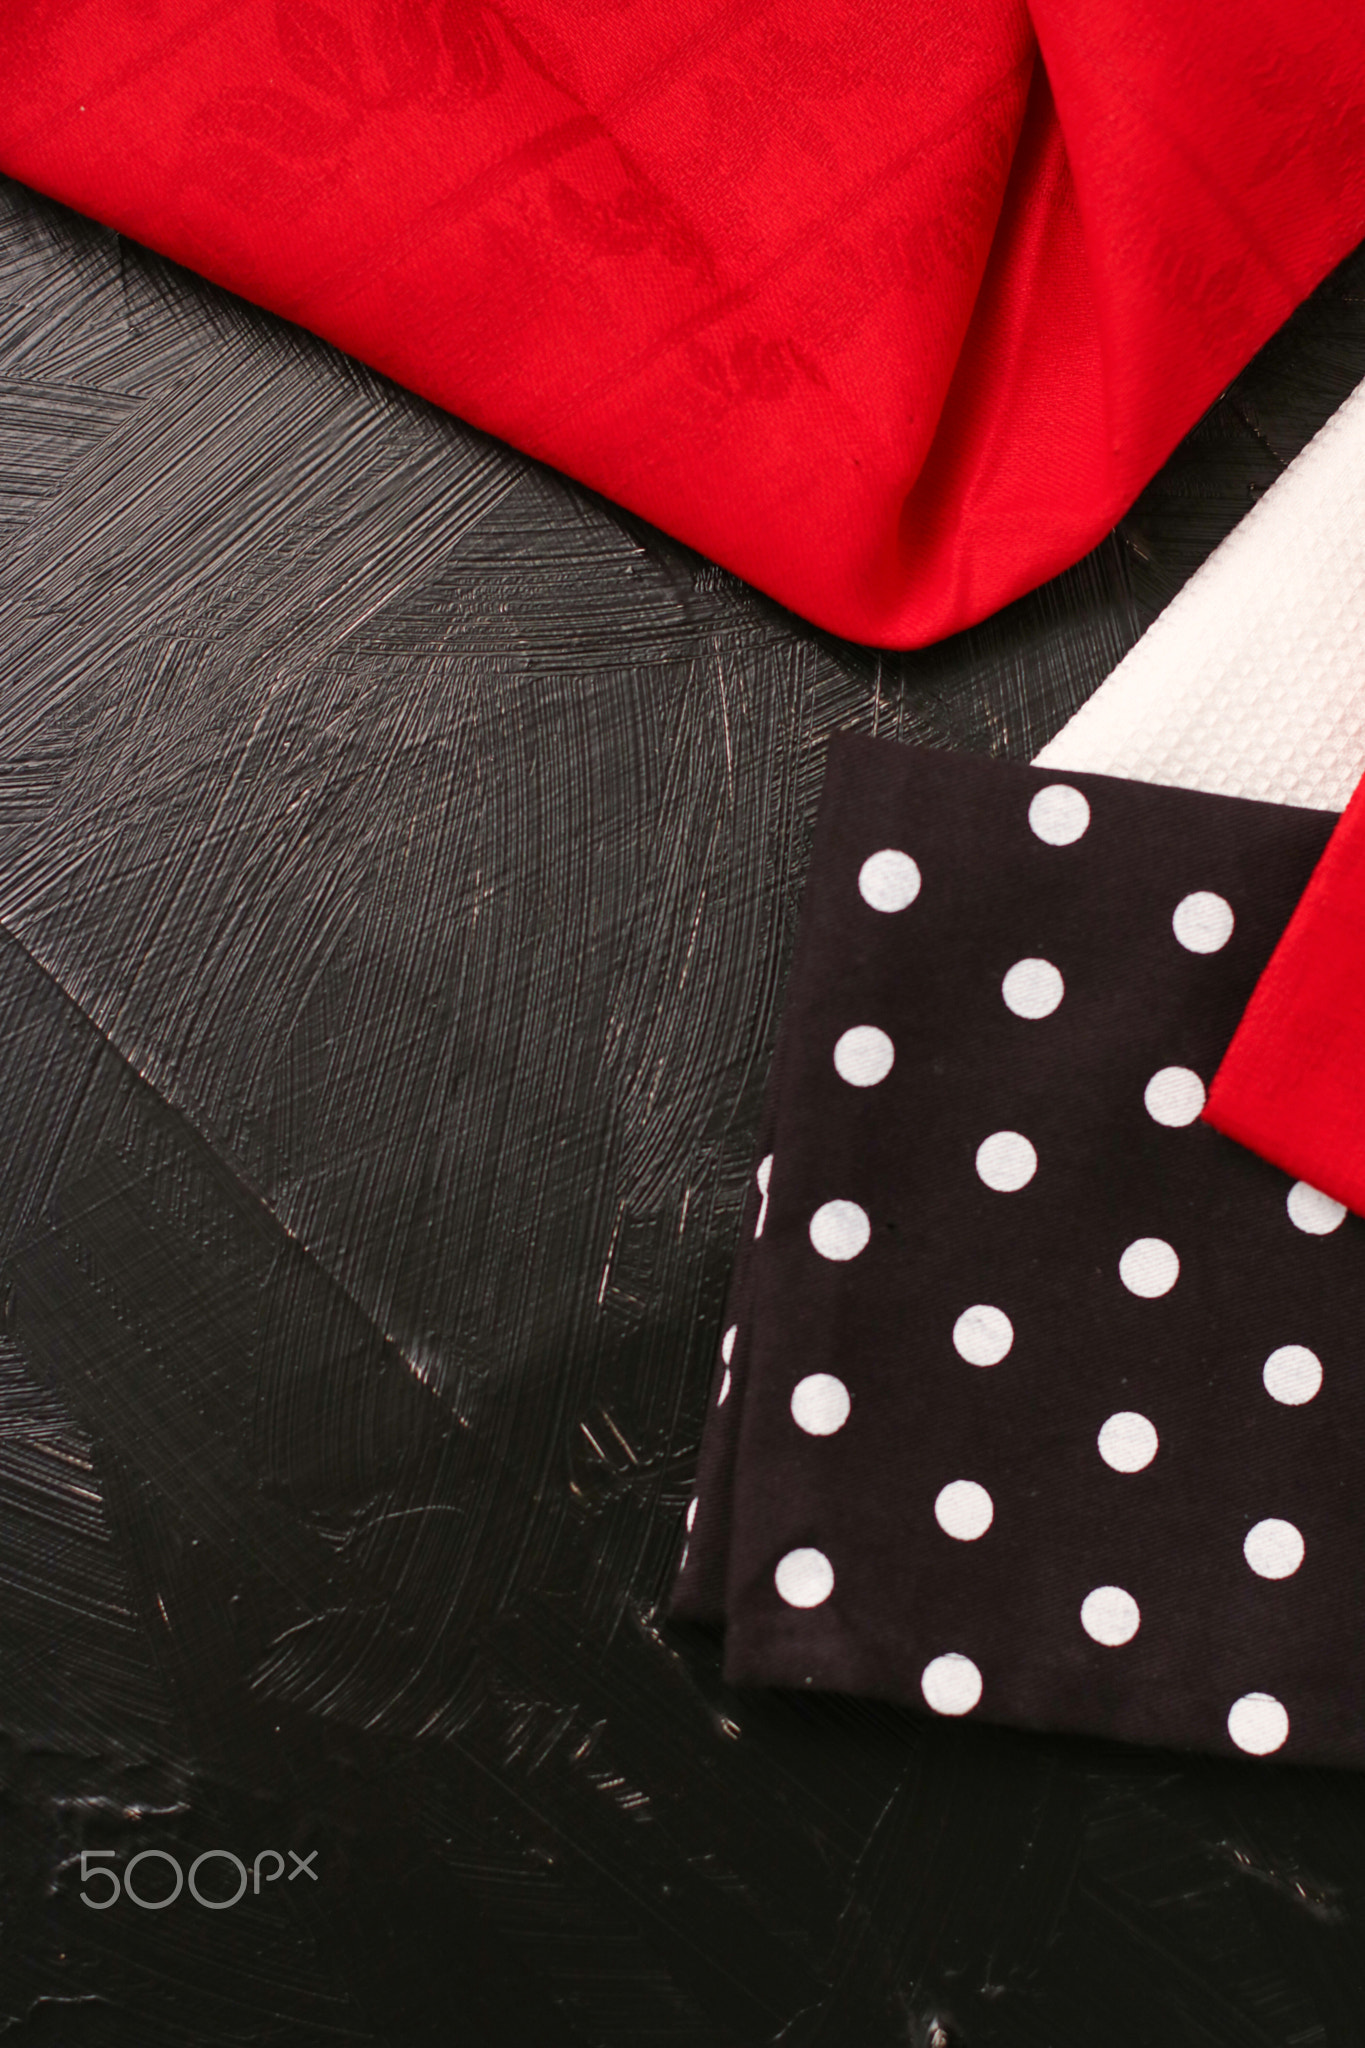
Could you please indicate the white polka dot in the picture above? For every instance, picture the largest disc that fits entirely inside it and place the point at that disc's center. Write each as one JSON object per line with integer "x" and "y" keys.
{"x": 1293, "y": 1375}
{"x": 1311, "y": 1210}
{"x": 724, "y": 1394}
{"x": 1127, "y": 1442}
{"x": 1032, "y": 988}
{"x": 820, "y": 1404}
{"x": 964, "y": 1510}
{"x": 763, "y": 1176}
{"x": 691, "y": 1512}
{"x": 840, "y": 1230}
{"x": 1006, "y": 1161}
{"x": 1059, "y": 814}
{"x": 1258, "y": 1723}
{"x": 982, "y": 1335}
{"x": 888, "y": 880}
{"x": 1149, "y": 1267}
{"x": 1203, "y": 922}
{"x": 727, "y": 1343}
{"x": 864, "y": 1056}
{"x": 1110, "y": 1616}
{"x": 1174, "y": 1096}
{"x": 1273, "y": 1549}
{"x": 951, "y": 1684}
{"x": 804, "y": 1578}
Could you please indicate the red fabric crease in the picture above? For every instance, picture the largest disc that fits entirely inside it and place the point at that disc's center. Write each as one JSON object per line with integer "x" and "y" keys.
{"x": 892, "y": 308}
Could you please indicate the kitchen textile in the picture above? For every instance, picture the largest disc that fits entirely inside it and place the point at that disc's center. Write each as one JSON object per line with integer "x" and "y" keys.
{"x": 1035, "y": 1398}
{"x": 892, "y": 308}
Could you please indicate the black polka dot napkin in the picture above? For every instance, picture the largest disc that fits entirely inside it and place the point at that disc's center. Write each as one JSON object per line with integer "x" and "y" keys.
{"x": 1036, "y": 1398}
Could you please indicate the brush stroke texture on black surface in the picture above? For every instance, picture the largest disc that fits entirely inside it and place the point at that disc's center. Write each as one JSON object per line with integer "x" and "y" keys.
{"x": 399, "y": 853}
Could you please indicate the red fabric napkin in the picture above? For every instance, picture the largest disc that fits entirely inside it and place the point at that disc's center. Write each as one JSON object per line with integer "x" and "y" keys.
{"x": 891, "y": 307}
{"x": 1292, "y": 1085}
{"x": 1034, "y": 1399}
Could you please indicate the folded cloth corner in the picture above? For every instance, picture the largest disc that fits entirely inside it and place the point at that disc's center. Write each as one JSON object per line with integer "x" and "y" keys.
{"x": 1034, "y": 1397}
{"x": 1250, "y": 683}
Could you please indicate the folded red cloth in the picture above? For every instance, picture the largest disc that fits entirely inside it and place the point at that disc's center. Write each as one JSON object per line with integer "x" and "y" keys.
{"x": 890, "y": 307}
{"x": 1292, "y": 1084}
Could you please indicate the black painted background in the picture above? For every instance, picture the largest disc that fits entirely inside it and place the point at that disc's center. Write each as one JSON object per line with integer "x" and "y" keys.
{"x": 399, "y": 851}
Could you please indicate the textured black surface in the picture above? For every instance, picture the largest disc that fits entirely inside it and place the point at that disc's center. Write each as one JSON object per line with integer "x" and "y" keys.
{"x": 398, "y": 858}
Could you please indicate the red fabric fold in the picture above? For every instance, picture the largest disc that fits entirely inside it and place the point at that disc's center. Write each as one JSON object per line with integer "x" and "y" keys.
{"x": 1292, "y": 1084}
{"x": 891, "y": 307}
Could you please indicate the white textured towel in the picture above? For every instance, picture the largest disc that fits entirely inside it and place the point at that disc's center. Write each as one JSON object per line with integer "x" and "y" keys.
{"x": 1252, "y": 681}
